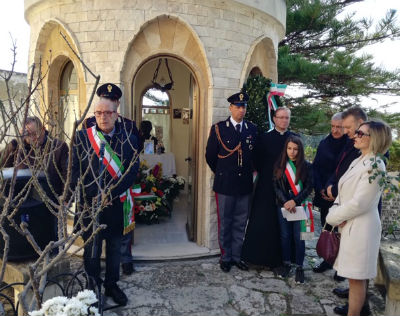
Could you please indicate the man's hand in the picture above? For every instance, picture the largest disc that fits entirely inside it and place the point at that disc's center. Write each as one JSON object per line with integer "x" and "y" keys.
{"x": 290, "y": 206}
{"x": 329, "y": 192}
{"x": 326, "y": 197}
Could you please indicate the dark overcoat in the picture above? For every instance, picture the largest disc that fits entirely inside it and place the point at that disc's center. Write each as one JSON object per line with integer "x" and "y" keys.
{"x": 86, "y": 169}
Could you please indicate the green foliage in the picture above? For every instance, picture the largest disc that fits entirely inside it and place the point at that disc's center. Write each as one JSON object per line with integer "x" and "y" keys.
{"x": 394, "y": 157}
{"x": 257, "y": 88}
{"x": 319, "y": 50}
{"x": 310, "y": 153}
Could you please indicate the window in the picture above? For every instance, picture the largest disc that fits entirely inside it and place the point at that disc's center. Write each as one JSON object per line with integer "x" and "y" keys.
{"x": 156, "y": 109}
{"x": 68, "y": 98}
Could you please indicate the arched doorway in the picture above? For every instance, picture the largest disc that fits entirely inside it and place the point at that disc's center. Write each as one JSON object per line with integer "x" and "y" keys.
{"x": 170, "y": 37}
{"x": 173, "y": 114}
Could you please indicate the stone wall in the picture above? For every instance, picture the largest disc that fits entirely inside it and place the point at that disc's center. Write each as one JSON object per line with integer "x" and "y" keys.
{"x": 219, "y": 40}
{"x": 18, "y": 91}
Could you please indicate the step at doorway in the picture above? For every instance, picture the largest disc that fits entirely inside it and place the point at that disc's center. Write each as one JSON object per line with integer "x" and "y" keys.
{"x": 168, "y": 239}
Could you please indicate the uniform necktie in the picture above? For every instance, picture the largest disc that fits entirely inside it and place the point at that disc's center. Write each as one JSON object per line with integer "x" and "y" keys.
{"x": 237, "y": 128}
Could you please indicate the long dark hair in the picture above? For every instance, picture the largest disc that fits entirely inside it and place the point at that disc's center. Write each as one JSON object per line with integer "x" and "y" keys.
{"x": 301, "y": 170}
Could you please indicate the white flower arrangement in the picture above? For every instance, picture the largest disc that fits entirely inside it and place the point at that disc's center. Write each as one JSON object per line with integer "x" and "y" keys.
{"x": 75, "y": 306}
{"x": 181, "y": 180}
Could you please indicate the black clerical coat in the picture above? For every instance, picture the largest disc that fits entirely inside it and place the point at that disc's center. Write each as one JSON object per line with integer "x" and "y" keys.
{"x": 262, "y": 242}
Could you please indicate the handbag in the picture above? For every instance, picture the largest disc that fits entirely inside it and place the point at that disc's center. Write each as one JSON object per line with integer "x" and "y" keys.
{"x": 328, "y": 245}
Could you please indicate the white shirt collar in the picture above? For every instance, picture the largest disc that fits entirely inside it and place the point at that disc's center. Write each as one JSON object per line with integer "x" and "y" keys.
{"x": 111, "y": 134}
{"x": 234, "y": 123}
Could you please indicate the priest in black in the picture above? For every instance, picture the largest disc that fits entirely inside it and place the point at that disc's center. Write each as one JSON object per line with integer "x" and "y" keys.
{"x": 229, "y": 154}
{"x": 262, "y": 241}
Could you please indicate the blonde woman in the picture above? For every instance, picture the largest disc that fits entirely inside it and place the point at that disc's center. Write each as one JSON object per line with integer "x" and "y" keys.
{"x": 355, "y": 211}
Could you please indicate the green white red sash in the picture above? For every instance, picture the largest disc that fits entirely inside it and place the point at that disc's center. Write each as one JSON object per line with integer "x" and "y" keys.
{"x": 116, "y": 169}
{"x": 307, "y": 225}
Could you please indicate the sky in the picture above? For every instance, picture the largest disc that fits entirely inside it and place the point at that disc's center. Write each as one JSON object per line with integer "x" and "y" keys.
{"x": 12, "y": 23}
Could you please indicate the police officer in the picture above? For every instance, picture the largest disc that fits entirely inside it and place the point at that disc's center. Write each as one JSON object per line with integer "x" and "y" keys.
{"x": 229, "y": 154}
{"x": 112, "y": 92}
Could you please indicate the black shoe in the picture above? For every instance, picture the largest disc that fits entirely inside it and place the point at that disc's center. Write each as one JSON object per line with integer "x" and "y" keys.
{"x": 241, "y": 265}
{"x": 340, "y": 292}
{"x": 322, "y": 267}
{"x": 343, "y": 310}
{"x": 338, "y": 278}
{"x": 283, "y": 271}
{"x": 128, "y": 268}
{"x": 116, "y": 294}
{"x": 225, "y": 266}
{"x": 299, "y": 275}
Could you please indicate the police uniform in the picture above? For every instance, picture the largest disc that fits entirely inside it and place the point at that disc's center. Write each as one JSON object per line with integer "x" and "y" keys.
{"x": 229, "y": 154}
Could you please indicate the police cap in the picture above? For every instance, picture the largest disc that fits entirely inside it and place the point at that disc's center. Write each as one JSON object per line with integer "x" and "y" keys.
{"x": 109, "y": 91}
{"x": 239, "y": 99}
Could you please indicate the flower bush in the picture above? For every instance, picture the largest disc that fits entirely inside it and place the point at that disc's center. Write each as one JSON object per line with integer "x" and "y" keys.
{"x": 80, "y": 305}
{"x": 156, "y": 193}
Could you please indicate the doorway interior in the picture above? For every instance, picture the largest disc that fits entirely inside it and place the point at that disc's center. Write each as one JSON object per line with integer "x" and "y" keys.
{"x": 165, "y": 93}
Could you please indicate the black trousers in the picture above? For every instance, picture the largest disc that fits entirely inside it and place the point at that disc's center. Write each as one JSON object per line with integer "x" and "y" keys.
{"x": 91, "y": 257}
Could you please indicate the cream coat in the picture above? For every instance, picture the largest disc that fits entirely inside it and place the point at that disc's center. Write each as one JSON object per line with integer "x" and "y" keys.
{"x": 358, "y": 205}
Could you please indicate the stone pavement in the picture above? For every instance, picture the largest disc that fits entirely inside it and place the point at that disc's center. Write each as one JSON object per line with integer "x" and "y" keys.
{"x": 199, "y": 287}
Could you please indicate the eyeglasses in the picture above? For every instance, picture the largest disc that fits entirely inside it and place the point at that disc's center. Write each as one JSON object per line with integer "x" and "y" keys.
{"x": 360, "y": 133}
{"x": 105, "y": 113}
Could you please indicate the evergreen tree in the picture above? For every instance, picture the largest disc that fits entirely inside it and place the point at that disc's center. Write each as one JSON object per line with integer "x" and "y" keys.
{"x": 318, "y": 54}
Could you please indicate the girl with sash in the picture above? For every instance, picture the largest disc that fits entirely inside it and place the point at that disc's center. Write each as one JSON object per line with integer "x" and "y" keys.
{"x": 293, "y": 184}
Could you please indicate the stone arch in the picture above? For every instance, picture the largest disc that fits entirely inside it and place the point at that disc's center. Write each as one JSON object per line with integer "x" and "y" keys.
{"x": 171, "y": 36}
{"x": 262, "y": 55}
{"x": 54, "y": 53}
{"x": 166, "y": 35}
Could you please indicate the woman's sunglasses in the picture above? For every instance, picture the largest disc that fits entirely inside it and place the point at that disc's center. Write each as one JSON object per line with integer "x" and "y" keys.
{"x": 360, "y": 133}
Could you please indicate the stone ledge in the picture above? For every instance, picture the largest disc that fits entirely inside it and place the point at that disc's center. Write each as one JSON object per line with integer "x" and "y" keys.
{"x": 389, "y": 274}
{"x": 18, "y": 271}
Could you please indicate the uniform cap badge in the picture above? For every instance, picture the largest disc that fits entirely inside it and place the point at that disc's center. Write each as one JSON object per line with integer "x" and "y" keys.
{"x": 109, "y": 88}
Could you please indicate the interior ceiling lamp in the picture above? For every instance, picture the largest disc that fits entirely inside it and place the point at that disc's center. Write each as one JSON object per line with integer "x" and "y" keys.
{"x": 161, "y": 85}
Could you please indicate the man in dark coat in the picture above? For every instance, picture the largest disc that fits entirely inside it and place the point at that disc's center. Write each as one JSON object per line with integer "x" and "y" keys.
{"x": 229, "y": 154}
{"x": 40, "y": 151}
{"x": 262, "y": 242}
{"x": 324, "y": 165}
{"x": 89, "y": 174}
{"x": 129, "y": 126}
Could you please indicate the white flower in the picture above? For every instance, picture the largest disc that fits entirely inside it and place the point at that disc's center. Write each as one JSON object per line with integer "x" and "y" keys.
{"x": 36, "y": 313}
{"x": 94, "y": 311}
{"x": 75, "y": 308}
{"x": 181, "y": 180}
{"x": 172, "y": 180}
{"x": 54, "y": 306}
{"x": 87, "y": 297}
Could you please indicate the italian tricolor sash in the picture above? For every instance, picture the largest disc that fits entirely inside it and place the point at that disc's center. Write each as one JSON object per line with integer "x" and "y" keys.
{"x": 116, "y": 169}
{"x": 307, "y": 225}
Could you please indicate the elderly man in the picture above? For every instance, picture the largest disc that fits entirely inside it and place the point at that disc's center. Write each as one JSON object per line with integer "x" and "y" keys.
{"x": 111, "y": 179}
{"x": 229, "y": 154}
{"x": 324, "y": 165}
{"x": 112, "y": 92}
{"x": 39, "y": 151}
